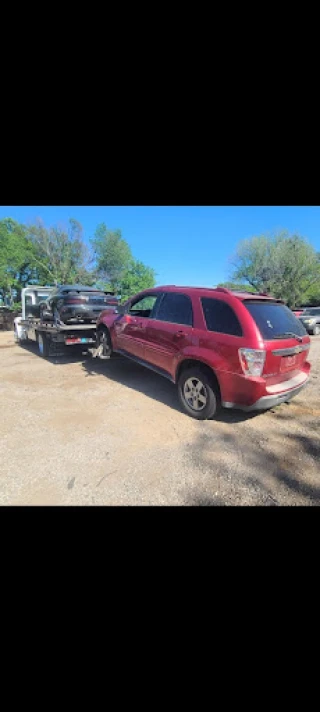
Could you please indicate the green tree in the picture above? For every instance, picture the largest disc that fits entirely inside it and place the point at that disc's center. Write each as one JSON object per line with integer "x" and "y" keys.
{"x": 113, "y": 256}
{"x": 60, "y": 254}
{"x": 312, "y": 295}
{"x": 17, "y": 266}
{"x": 137, "y": 278}
{"x": 237, "y": 286}
{"x": 284, "y": 265}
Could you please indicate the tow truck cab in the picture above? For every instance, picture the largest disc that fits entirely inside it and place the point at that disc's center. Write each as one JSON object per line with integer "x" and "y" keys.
{"x": 31, "y": 298}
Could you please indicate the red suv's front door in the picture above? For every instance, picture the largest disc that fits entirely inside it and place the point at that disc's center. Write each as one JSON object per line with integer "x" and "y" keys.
{"x": 128, "y": 332}
{"x": 130, "y": 329}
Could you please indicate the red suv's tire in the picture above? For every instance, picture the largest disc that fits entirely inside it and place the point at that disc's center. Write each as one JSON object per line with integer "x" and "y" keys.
{"x": 104, "y": 340}
{"x": 198, "y": 393}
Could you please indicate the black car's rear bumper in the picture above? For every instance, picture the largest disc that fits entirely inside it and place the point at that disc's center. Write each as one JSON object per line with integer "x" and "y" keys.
{"x": 80, "y": 313}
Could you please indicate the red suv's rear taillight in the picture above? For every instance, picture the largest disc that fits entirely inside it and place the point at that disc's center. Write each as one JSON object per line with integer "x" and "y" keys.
{"x": 252, "y": 361}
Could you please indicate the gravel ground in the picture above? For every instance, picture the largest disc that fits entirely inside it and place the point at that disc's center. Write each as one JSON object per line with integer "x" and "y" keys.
{"x": 78, "y": 431}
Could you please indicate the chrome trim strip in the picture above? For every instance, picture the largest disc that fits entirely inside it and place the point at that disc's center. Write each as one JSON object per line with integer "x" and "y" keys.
{"x": 291, "y": 350}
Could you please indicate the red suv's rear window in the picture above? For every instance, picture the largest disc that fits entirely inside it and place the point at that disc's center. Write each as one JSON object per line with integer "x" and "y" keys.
{"x": 273, "y": 319}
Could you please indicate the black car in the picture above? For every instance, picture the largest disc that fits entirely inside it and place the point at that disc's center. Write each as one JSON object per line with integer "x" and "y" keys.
{"x": 310, "y": 318}
{"x": 76, "y": 304}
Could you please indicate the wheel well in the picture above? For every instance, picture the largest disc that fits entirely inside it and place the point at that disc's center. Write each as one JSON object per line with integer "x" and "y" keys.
{"x": 194, "y": 363}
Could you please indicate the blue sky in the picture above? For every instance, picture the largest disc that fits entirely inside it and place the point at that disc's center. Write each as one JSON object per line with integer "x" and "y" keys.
{"x": 185, "y": 245}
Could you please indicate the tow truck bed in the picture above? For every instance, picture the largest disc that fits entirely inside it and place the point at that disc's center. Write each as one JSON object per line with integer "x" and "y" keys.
{"x": 49, "y": 336}
{"x": 51, "y": 327}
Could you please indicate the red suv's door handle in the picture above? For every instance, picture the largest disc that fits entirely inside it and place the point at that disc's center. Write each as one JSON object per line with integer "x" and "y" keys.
{"x": 180, "y": 333}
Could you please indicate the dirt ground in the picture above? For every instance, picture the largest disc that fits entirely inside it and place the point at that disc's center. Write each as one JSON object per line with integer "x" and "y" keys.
{"x": 78, "y": 431}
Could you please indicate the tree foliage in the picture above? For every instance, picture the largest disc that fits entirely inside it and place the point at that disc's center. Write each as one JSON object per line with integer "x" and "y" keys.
{"x": 236, "y": 286}
{"x": 284, "y": 265}
{"x": 36, "y": 254}
{"x": 116, "y": 267}
{"x": 312, "y": 297}
{"x": 137, "y": 278}
{"x": 113, "y": 256}
{"x": 17, "y": 265}
{"x": 60, "y": 254}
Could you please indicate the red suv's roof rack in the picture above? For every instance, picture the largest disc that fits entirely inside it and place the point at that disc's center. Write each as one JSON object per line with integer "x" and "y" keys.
{"x": 183, "y": 286}
{"x": 225, "y": 290}
{"x": 242, "y": 291}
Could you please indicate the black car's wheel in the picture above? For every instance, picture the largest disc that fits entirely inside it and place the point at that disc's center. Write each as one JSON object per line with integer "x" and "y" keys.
{"x": 104, "y": 343}
{"x": 43, "y": 345}
{"x": 199, "y": 394}
{"x": 316, "y": 330}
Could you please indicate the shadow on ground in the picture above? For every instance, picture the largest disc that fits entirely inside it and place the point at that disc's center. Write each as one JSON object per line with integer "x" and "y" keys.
{"x": 267, "y": 466}
{"x": 132, "y": 375}
{"x": 138, "y": 378}
{"x": 60, "y": 355}
{"x": 261, "y": 472}
{"x": 202, "y": 500}
{"x": 141, "y": 379}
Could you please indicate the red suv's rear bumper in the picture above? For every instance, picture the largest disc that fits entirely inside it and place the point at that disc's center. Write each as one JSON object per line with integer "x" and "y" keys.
{"x": 256, "y": 394}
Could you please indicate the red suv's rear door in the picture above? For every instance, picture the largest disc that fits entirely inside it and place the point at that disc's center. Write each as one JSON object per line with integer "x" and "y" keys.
{"x": 169, "y": 332}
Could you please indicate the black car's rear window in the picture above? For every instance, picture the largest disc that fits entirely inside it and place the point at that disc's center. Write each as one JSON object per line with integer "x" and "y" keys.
{"x": 274, "y": 319}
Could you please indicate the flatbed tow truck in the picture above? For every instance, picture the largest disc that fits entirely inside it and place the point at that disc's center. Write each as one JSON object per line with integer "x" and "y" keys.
{"x": 49, "y": 335}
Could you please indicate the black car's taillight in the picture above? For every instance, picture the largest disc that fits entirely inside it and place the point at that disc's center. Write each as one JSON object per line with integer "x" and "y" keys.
{"x": 75, "y": 300}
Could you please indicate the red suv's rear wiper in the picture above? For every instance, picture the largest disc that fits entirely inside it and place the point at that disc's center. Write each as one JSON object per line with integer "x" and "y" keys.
{"x": 288, "y": 333}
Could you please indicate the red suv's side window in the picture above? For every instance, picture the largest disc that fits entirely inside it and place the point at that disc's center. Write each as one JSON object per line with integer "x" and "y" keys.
{"x": 143, "y": 306}
{"x": 220, "y": 317}
{"x": 175, "y": 309}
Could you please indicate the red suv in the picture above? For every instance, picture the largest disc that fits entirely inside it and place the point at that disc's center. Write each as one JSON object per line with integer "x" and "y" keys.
{"x": 234, "y": 349}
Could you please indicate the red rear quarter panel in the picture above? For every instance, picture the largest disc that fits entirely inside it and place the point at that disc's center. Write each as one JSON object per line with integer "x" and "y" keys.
{"x": 220, "y": 351}
{"x": 107, "y": 319}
